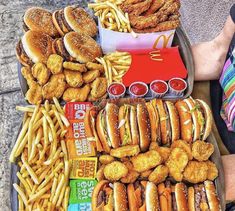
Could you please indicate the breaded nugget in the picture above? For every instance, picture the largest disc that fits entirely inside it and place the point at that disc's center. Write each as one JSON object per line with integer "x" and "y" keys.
{"x": 146, "y": 161}
{"x": 136, "y": 9}
{"x": 77, "y": 94}
{"x": 106, "y": 159}
{"x": 125, "y": 151}
{"x": 128, "y": 164}
{"x": 99, "y": 87}
{"x": 90, "y": 76}
{"x": 212, "y": 173}
{"x": 73, "y": 78}
{"x": 159, "y": 174}
{"x": 100, "y": 173}
{"x": 90, "y": 98}
{"x": 115, "y": 171}
{"x": 202, "y": 150}
{"x": 54, "y": 87}
{"x": 131, "y": 177}
{"x": 34, "y": 93}
{"x": 184, "y": 146}
{"x": 176, "y": 163}
{"x": 95, "y": 66}
{"x": 156, "y": 4}
{"x": 27, "y": 74}
{"x": 145, "y": 174}
{"x": 55, "y": 63}
{"x": 163, "y": 151}
{"x": 196, "y": 172}
{"x": 41, "y": 73}
{"x": 75, "y": 66}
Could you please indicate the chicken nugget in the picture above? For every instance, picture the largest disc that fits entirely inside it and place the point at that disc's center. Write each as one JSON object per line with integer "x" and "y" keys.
{"x": 55, "y": 63}
{"x": 77, "y": 94}
{"x": 131, "y": 177}
{"x": 212, "y": 173}
{"x": 202, "y": 150}
{"x": 176, "y": 163}
{"x": 154, "y": 146}
{"x": 196, "y": 172}
{"x": 106, "y": 159}
{"x": 73, "y": 78}
{"x": 163, "y": 151}
{"x": 54, "y": 87}
{"x": 115, "y": 171}
{"x": 27, "y": 74}
{"x": 75, "y": 66}
{"x": 41, "y": 73}
{"x": 100, "y": 173}
{"x": 90, "y": 98}
{"x": 99, "y": 87}
{"x": 146, "y": 161}
{"x": 90, "y": 76}
{"x": 95, "y": 66}
{"x": 159, "y": 174}
{"x": 145, "y": 174}
{"x": 125, "y": 151}
{"x": 34, "y": 93}
{"x": 184, "y": 146}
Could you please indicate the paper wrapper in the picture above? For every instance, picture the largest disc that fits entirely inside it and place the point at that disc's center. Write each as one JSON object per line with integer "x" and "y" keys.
{"x": 111, "y": 40}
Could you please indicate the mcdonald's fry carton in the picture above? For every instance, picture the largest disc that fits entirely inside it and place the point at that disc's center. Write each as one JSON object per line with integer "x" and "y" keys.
{"x": 112, "y": 40}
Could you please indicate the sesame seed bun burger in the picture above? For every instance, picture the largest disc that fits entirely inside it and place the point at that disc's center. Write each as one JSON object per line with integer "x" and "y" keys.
{"x": 164, "y": 193}
{"x": 143, "y": 126}
{"x": 107, "y": 127}
{"x": 127, "y": 118}
{"x": 39, "y": 20}
{"x": 73, "y": 18}
{"x": 81, "y": 47}
{"x": 179, "y": 197}
{"x": 203, "y": 197}
{"x": 109, "y": 196}
{"x": 34, "y": 47}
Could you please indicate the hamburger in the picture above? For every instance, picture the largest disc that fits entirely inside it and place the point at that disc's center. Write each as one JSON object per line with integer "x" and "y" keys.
{"x": 39, "y": 20}
{"x": 128, "y": 127}
{"x": 167, "y": 118}
{"x": 109, "y": 196}
{"x": 195, "y": 119}
{"x": 179, "y": 197}
{"x": 77, "y": 47}
{"x": 107, "y": 127}
{"x": 73, "y": 18}
{"x": 203, "y": 197}
{"x": 34, "y": 47}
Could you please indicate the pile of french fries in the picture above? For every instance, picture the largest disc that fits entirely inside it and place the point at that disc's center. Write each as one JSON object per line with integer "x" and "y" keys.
{"x": 115, "y": 64}
{"x": 42, "y": 156}
{"x": 111, "y": 16}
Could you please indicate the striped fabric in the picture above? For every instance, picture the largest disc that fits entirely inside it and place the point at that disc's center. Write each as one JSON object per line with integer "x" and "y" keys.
{"x": 227, "y": 81}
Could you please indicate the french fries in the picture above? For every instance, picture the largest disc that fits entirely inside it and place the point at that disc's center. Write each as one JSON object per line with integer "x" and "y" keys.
{"x": 42, "y": 156}
{"x": 115, "y": 65}
{"x": 111, "y": 16}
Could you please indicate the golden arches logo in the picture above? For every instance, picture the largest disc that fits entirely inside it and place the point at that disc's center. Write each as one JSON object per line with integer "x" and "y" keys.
{"x": 155, "y": 55}
{"x": 165, "y": 39}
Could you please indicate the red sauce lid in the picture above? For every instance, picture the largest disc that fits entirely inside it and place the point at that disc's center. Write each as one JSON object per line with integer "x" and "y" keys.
{"x": 138, "y": 89}
{"x": 116, "y": 89}
{"x": 177, "y": 84}
{"x": 159, "y": 86}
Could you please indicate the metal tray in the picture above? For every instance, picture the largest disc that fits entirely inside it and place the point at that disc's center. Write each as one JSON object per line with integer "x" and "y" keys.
{"x": 216, "y": 158}
{"x": 180, "y": 39}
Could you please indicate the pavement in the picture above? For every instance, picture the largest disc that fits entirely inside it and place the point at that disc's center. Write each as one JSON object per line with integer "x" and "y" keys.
{"x": 202, "y": 21}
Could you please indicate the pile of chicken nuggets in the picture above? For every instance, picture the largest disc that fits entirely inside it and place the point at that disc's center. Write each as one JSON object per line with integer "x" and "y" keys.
{"x": 67, "y": 80}
{"x": 181, "y": 162}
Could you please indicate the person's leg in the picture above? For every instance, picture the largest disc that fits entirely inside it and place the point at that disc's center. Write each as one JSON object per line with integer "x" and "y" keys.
{"x": 209, "y": 57}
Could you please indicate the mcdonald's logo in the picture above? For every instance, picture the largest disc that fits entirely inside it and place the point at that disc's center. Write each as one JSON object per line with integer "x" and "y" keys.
{"x": 165, "y": 40}
{"x": 155, "y": 55}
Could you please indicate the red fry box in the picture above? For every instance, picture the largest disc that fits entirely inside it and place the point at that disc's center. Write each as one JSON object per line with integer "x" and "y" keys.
{"x": 112, "y": 40}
